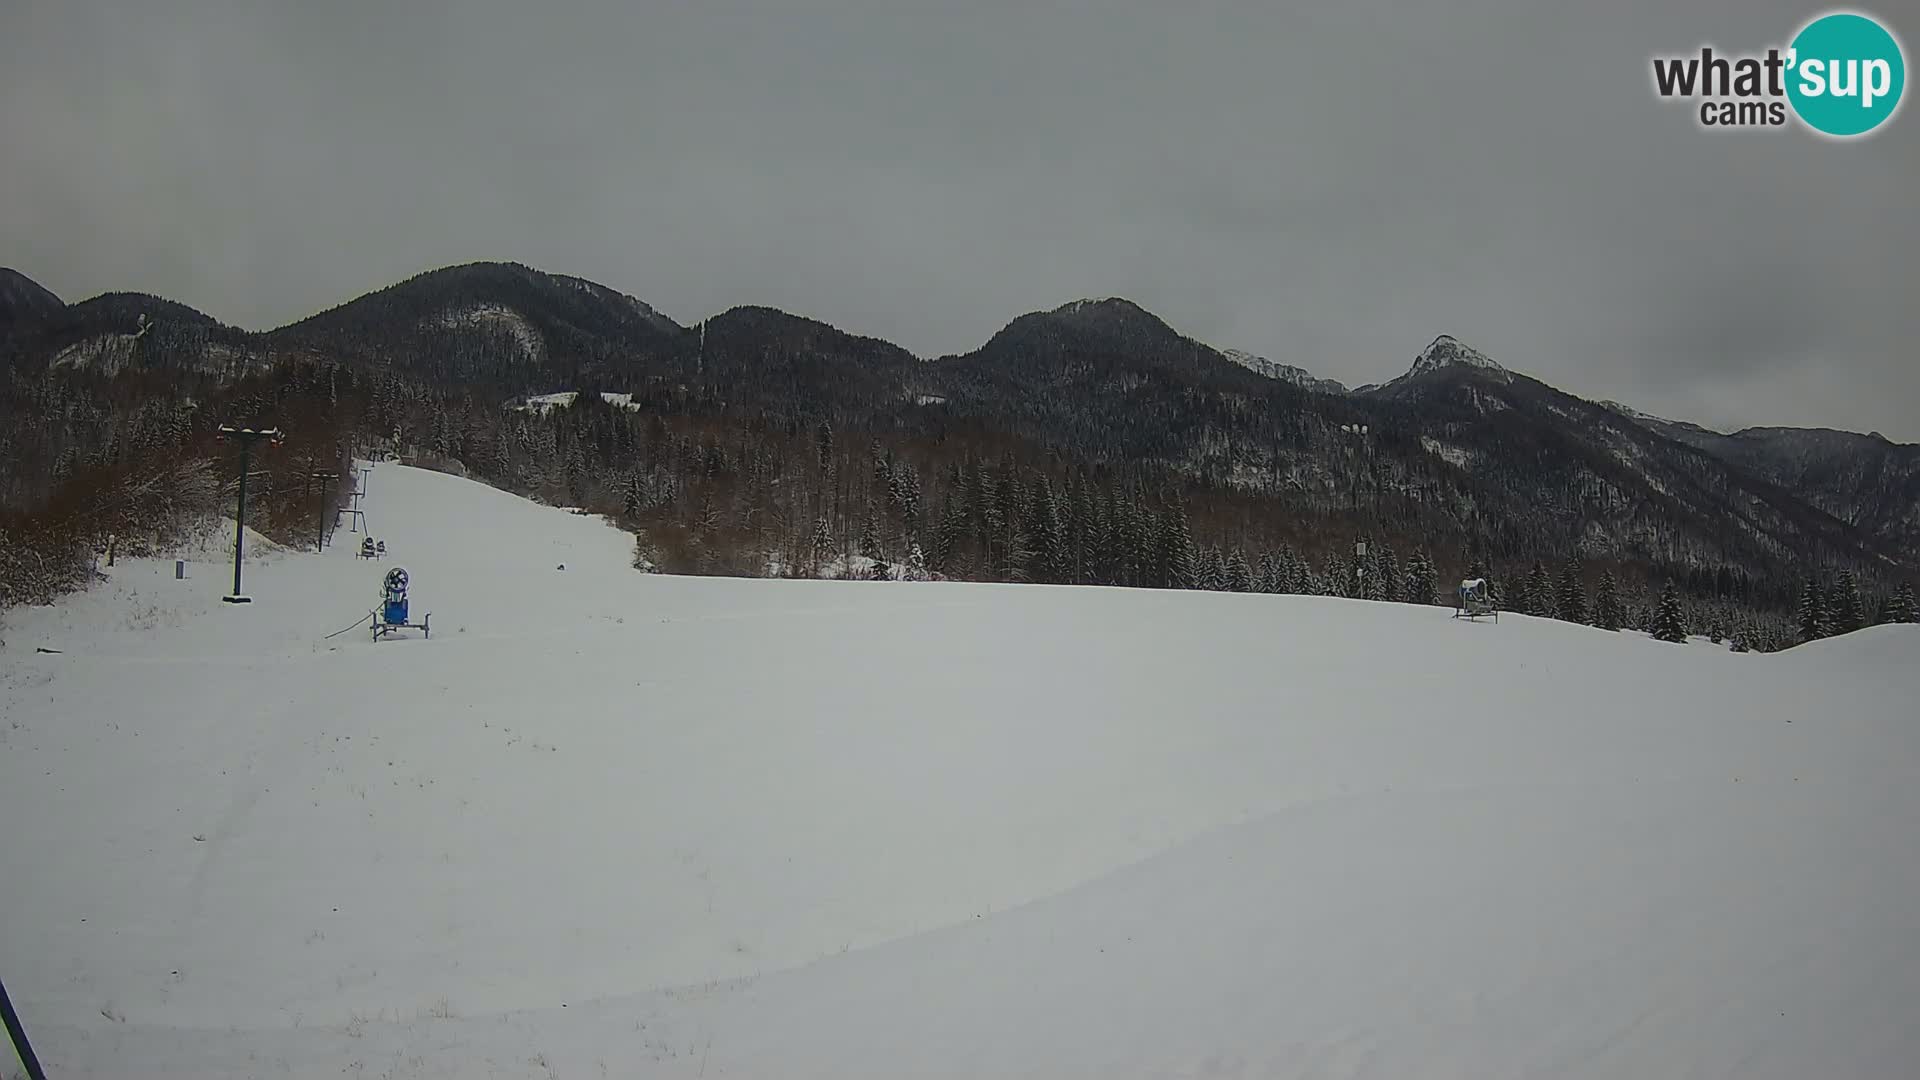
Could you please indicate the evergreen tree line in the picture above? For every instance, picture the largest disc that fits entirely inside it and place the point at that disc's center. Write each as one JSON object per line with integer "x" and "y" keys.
{"x": 768, "y": 495}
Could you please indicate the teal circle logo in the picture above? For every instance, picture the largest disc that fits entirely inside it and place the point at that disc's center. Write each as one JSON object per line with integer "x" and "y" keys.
{"x": 1846, "y": 74}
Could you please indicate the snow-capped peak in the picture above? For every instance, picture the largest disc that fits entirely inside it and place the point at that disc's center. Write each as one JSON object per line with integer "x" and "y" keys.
{"x": 1447, "y": 351}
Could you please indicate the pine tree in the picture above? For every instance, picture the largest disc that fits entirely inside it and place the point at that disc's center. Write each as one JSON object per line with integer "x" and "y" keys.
{"x": 1669, "y": 624}
{"x": 1270, "y": 578}
{"x": 1813, "y": 612}
{"x": 1420, "y": 578}
{"x": 1213, "y": 571}
{"x": 1606, "y": 604}
{"x": 1523, "y": 602}
{"x": 1383, "y": 577}
{"x": 1337, "y": 578}
{"x": 1176, "y": 555}
{"x": 823, "y": 447}
{"x": 1901, "y": 608}
{"x": 903, "y": 491}
{"x": 1043, "y": 535}
{"x": 1239, "y": 574}
{"x": 1295, "y": 575}
{"x": 1005, "y": 541}
{"x": 1573, "y": 592}
{"x": 916, "y": 562}
{"x": 821, "y": 546}
{"x": 1537, "y": 593}
{"x": 1144, "y": 564}
{"x": 946, "y": 533}
{"x": 630, "y": 502}
{"x": 1081, "y": 529}
{"x": 1843, "y": 606}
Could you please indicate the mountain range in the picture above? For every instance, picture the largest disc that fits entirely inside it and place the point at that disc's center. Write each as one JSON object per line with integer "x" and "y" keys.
{"x": 1459, "y": 446}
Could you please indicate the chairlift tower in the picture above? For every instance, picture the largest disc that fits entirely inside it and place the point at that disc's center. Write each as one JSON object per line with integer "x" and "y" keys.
{"x": 246, "y": 437}
{"x": 320, "y": 523}
{"x": 357, "y": 517}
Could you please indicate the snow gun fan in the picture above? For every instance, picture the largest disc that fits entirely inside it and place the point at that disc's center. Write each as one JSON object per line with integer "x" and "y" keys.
{"x": 1475, "y": 600}
{"x": 392, "y": 613}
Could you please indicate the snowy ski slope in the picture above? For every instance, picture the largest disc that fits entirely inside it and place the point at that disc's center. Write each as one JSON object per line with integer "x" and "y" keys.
{"x": 613, "y": 824}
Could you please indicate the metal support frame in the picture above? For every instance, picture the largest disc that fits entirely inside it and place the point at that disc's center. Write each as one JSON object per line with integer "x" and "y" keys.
{"x": 1472, "y": 607}
{"x": 382, "y": 629}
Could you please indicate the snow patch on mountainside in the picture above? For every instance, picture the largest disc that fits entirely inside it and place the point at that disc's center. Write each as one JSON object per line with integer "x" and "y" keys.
{"x": 1081, "y": 307}
{"x": 1458, "y": 456}
{"x": 1286, "y": 373}
{"x": 497, "y": 318}
{"x": 1485, "y": 403}
{"x": 110, "y": 354}
{"x": 105, "y": 354}
{"x": 543, "y": 403}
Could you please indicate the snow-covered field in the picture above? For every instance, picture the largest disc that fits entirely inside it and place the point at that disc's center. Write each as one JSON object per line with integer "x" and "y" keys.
{"x": 612, "y": 824}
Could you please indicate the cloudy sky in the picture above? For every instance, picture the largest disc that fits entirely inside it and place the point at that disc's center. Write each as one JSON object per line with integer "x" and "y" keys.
{"x": 1329, "y": 189}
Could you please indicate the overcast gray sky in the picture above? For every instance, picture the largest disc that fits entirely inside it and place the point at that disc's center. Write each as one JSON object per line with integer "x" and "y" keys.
{"x": 1328, "y": 189}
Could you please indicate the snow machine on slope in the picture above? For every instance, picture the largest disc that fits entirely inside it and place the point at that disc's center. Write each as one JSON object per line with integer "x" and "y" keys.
{"x": 1475, "y": 601}
{"x": 391, "y": 616}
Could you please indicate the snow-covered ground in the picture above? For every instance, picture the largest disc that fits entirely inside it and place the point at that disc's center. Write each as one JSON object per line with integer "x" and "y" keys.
{"x": 612, "y": 824}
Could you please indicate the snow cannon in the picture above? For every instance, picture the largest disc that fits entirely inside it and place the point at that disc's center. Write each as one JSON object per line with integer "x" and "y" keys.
{"x": 394, "y": 596}
{"x": 1475, "y": 600}
{"x": 392, "y": 615}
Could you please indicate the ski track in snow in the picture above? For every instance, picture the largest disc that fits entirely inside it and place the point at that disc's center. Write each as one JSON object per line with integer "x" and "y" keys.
{"x": 613, "y": 823}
